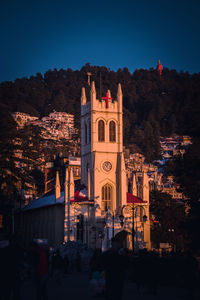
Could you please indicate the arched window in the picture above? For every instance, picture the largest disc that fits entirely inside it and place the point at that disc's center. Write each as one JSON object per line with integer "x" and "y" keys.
{"x": 101, "y": 131}
{"x": 112, "y": 131}
{"x": 89, "y": 131}
{"x": 85, "y": 133}
{"x": 106, "y": 197}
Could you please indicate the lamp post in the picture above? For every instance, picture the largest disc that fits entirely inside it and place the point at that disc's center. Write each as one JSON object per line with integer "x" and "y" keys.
{"x": 144, "y": 218}
{"x": 112, "y": 215}
{"x": 113, "y": 225}
{"x": 107, "y": 232}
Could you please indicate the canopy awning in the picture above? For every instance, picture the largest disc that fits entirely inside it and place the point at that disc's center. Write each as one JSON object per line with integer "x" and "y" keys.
{"x": 131, "y": 199}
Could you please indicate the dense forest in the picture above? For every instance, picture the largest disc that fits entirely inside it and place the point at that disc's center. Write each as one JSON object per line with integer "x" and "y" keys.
{"x": 154, "y": 106}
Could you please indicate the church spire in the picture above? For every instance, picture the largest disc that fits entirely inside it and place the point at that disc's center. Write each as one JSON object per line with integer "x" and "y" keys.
{"x": 119, "y": 91}
{"x": 119, "y": 97}
{"x": 145, "y": 187}
{"x": 93, "y": 89}
{"x": 83, "y": 97}
{"x": 57, "y": 186}
{"x": 134, "y": 186}
{"x": 93, "y": 95}
{"x": 109, "y": 94}
{"x": 66, "y": 184}
{"x": 71, "y": 184}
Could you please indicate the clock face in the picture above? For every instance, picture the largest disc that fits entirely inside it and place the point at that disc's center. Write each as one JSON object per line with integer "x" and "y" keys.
{"x": 107, "y": 166}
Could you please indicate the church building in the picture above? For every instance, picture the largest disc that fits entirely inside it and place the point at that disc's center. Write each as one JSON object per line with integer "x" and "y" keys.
{"x": 103, "y": 172}
{"x": 103, "y": 209}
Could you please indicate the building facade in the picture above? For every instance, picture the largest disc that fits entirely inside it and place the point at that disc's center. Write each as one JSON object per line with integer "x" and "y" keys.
{"x": 103, "y": 172}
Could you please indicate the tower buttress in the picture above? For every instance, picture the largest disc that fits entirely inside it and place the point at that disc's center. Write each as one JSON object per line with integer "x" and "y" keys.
{"x": 119, "y": 97}
{"x": 93, "y": 95}
{"x": 83, "y": 97}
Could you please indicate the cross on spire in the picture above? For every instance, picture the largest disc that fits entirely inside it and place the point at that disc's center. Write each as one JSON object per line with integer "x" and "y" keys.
{"x": 106, "y": 98}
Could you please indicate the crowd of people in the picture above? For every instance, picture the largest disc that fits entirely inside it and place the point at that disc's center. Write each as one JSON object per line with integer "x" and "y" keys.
{"x": 106, "y": 271}
{"x": 38, "y": 263}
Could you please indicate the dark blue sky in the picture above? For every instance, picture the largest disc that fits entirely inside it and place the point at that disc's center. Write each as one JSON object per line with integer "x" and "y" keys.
{"x": 41, "y": 35}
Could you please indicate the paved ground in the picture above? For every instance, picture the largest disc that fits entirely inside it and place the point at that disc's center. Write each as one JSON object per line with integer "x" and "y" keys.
{"x": 76, "y": 286}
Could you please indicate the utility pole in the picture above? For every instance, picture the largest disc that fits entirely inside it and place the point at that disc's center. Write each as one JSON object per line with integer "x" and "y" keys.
{"x": 67, "y": 203}
{"x": 113, "y": 222}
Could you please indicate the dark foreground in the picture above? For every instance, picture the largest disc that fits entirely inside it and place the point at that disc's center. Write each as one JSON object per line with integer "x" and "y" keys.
{"x": 76, "y": 286}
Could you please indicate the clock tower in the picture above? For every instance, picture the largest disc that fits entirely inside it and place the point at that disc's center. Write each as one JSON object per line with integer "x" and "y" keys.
{"x": 102, "y": 159}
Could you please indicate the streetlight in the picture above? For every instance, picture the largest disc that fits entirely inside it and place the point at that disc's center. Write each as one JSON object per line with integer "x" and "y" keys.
{"x": 121, "y": 217}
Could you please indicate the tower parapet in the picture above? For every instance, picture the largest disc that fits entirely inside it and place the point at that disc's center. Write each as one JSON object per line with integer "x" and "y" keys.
{"x": 105, "y": 104}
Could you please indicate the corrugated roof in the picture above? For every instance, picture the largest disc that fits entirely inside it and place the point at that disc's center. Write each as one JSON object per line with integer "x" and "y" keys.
{"x": 47, "y": 200}
{"x": 44, "y": 201}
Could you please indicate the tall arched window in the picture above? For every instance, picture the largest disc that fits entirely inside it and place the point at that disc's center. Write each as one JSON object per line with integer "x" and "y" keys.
{"x": 106, "y": 197}
{"x": 85, "y": 133}
{"x": 89, "y": 131}
{"x": 112, "y": 131}
{"x": 101, "y": 131}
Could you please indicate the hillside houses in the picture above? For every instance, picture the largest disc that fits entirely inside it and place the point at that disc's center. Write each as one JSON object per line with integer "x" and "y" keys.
{"x": 173, "y": 146}
{"x": 56, "y": 126}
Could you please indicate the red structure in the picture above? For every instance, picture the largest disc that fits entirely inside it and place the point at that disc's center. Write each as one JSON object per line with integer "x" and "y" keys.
{"x": 159, "y": 68}
{"x": 106, "y": 98}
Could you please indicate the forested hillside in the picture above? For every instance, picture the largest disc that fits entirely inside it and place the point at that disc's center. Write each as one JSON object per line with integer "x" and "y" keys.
{"x": 153, "y": 105}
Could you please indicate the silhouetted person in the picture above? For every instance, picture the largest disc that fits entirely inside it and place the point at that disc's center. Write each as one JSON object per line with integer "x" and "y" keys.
{"x": 11, "y": 265}
{"x": 39, "y": 262}
{"x": 114, "y": 265}
{"x": 95, "y": 262}
{"x": 191, "y": 274}
{"x": 57, "y": 266}
{"x": 138, "y": 270}
{"x": 78, "y": 262}
{"x": 66, "y": 264}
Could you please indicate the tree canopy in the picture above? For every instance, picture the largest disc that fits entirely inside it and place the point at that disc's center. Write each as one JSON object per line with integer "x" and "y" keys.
{"x": 153, "y": 105}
